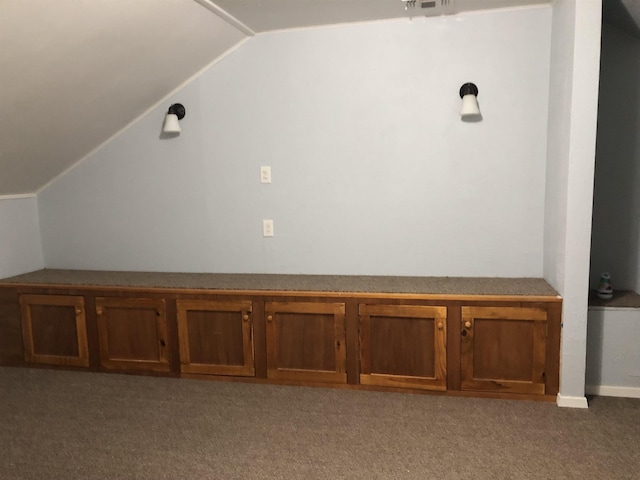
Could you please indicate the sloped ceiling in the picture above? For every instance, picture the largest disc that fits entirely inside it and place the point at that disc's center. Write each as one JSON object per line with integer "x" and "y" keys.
{"x": 264, "y": 15}
{"x": 75, "y": 72}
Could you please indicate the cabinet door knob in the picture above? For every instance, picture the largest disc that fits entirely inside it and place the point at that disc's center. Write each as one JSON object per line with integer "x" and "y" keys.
{"x": 440, "y": 325}
{"x": 245, "y": 317}
{"x": 78, "y": 311}
{"x": 270, "y": 318}
{"x": 467, "y": 325}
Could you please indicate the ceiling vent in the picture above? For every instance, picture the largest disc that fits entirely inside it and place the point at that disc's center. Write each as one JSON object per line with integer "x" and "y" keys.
{"x": 414, "y": 3}
{"x": 436, "y": 6}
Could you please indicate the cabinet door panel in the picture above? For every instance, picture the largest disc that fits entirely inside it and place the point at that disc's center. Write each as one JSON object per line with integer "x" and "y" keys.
{"x": 54, "y": 330}
{"x": 503, "y": 349}
{"x": 216, "y": 337}
{"x": 305, "y": 341}
{"x": 132, "y": 333}
{"x": 403, "y": 346}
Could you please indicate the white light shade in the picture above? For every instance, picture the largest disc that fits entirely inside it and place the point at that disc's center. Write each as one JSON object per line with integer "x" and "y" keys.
{"x": 470, "y": 107}
{"x": 171, "y": 124}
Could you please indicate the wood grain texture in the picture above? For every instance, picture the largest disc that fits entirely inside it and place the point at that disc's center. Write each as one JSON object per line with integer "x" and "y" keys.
{"x": 403, "y": 345}
{"x": 554, "y": 328}
{"x": 503, "y": 349}
{"x": 323, "y": 339}
{"x": 306, "y": 341}
{"x": 54, "y": 330}
{"x": 132, "y": 333}
{"x": 259, "y": 338}
{"x": 216, "y": 337}
{"x": 377, "y": 388}
{"x": 454, "y": 320}
{"x": 173, "y": 347}
{"x": 11, "y": 344}
{"x": 352, "y": 342}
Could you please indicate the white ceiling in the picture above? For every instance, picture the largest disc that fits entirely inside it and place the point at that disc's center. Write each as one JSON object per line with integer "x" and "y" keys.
{"x": 75, "y": 72}
{"x": 264, "y": 15}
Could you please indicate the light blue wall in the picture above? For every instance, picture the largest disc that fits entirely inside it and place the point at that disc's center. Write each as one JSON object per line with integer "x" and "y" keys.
{"x": 573, "y": 109}
{"x": 616, "y": 206}
{"x": 373, "y": 170}
{"x": 613, "y": 356}
{"x": 20, "y": 247}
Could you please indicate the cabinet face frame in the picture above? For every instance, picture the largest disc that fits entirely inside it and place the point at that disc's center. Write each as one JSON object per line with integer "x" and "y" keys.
{"x": 73, "y": 301}
{"x": 536, "y": 385}
{"x": 277, "y": 372}
{"x": 55, "y": 343}
{"x": 439, "y": 347}
{"x": 104, "y": 305}
{"x": 244, "y": 310}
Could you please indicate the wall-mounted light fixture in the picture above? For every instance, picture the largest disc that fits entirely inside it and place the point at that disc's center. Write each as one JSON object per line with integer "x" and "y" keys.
{"x": 171, "y": 120}
{"x": 470, "y": 111}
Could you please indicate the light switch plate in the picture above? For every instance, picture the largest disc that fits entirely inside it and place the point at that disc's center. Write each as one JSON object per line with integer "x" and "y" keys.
{"x": 267, "y": 228}
{"x": 265, "y": 174}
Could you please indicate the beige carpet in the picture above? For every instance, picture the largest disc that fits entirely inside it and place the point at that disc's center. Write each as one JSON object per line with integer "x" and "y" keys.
{"x": 68, "y": 425}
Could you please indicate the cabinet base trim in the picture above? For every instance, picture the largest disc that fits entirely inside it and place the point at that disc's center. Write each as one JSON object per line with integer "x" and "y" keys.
{"x": 402, "y": 381}
{"x": 372, "y": 388}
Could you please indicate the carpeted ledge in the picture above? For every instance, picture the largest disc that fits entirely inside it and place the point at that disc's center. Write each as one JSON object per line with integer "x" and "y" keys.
{"x": 293, "y": 283}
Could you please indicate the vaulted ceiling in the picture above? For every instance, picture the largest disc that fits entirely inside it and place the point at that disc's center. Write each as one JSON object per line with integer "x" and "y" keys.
{"x": 73, "y": 73}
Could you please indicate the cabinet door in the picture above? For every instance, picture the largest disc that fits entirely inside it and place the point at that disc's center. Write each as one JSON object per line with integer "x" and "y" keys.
{"x": 216, "y": 337}
{"x": 305, "y": 341}
{"x": 132, "y": 333}
{"x": 403, "y": 346}
{"x": 54, "y": 330}
{"x": 503, "y": 349}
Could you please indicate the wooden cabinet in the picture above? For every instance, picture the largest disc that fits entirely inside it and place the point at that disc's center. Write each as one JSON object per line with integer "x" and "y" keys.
{"x": 216, "y": 337}
{"x": 403, "y": 346}
{"x": 132, "y": 334}
{"x": 54, "y": 330}
{"x": 372, "y": 333}
{"x": 306, "y": 341}
{"x": 503, "y": 349}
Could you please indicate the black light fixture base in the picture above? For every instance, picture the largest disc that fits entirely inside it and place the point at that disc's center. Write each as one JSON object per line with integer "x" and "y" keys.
{"x": 178, "y": 110}
{"x": 468, "y": 89}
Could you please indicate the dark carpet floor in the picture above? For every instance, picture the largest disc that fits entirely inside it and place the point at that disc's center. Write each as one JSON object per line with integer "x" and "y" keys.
{"x": 72, "y": 425}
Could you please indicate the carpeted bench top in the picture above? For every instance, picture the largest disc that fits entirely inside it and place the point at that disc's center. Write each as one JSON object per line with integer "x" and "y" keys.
{"x": 620, "y": 299}
{"x": 295, "y": 283}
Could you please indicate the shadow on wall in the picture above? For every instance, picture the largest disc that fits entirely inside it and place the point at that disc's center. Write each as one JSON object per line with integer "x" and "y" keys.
{"x": 615, "y": 12}
{"x": 616, "y": 223}
{"x": 595, "y": 339}
{"x": 613, "y": 358}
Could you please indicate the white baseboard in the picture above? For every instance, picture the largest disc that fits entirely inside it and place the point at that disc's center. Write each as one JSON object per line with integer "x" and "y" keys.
{"x": 608, "y": 391}
{"x": 571, "y": 402}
